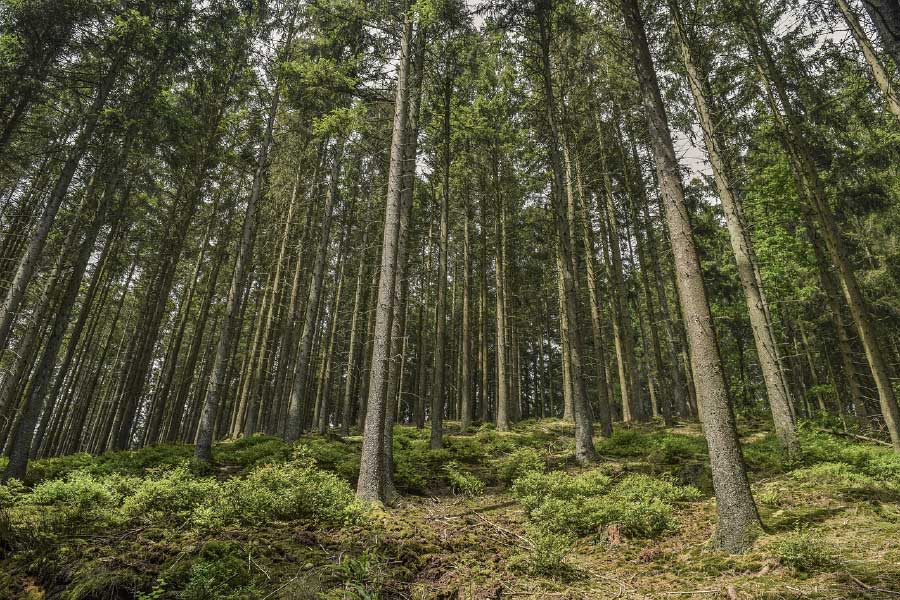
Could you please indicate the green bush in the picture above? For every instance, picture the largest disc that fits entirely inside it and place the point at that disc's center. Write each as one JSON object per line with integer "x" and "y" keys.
{"x": 803, "y": 550}
{"x": 462, "y": 482}
{"x": 624, "y": 443}
{"x": 587, "y": 503}
{"x": 668, "y": 448}
{"x": 291, "y": 491}
{"x": 252, "y": 450}
{"x": 547, "y": 556}
{"x": 11, "y": 493}
{"x": 80, "y": 491}
{"x": 330, "y": 454}
{"x": 176, "y": 493}
{"x": 519, "y": 463}
{"x": 643, "y": 488}
{"x": 535, "y": 488}
{"x": 221, "y": 572}
{"x": 466, "y": 449}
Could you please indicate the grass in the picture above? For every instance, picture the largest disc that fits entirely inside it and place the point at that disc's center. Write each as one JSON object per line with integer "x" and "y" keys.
{"x": 490, "y": 514}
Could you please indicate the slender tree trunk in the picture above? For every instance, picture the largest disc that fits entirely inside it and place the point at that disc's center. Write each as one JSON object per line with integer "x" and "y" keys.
{"x": 29, "y": 261}
{"x": 465, "y": 390}
{"x": 440, "y": 311}
{"x": 296, "y": 405}
{"x": 879, "y": 73}
{"x": 502, "y": 407}
{"x": 811, "y": 187}
{"x": 370, "y": 485}
{"x": 23, "y": 435}
{"x": 741, "y": 245}
{"x": 587, "y": 237}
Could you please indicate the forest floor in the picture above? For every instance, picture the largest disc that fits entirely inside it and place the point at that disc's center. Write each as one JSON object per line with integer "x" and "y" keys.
{"x": 493, "y": 515}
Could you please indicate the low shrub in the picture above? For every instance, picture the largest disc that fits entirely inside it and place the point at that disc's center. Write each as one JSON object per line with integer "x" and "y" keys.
{"x": 252, "y": 450}
{"x": 803, "y": 550}
{"x": 174, "y": 494}
{"x": 462, "y": 482}
{"x": 295, "y": 490}
{"x": 220, "y": 572}
{"x": 81, "y": 492}
{"x": 518, "y": 463}
{"x": 330, "y": 454}
{"x": 547, "y": 556}
{"x": 586, "y": 504}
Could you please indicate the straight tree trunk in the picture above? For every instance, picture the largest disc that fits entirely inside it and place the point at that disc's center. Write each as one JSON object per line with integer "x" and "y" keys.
{"x": 741, "y": 245}
{"x": 297, "y": 402}
{"x": 370, "y": 485}
{"x": 738, "y": 520}
{"x": 29, "y": 261}
{"x": 811, "y": 187}
{"x": 440, "y": 311}
{"x": 238, "y": 282}
{"x": 584, "y": 429}
{"x": 879, "y": 73}
{"x": 502, "y": 407}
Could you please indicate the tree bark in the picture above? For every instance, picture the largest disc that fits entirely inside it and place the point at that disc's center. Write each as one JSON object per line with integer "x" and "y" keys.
{"x": 738, "y": 520}
{"x": 370, "y": 485}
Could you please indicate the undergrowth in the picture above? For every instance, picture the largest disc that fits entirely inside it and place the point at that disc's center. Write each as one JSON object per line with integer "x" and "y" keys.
{"x": 150, "y": 524}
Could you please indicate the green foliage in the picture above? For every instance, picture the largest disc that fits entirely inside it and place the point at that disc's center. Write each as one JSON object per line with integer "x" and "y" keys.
{"x": 296, "y": 490}
{"x": 83, "y": 498}
{"x": 221, "y": 572}
{"x": 11, "y": 493}
{"x": 252, "y": 450}
{"x": 175, "y": 494}
{"x": 330, "y": 454}
{"x": 803, "y": 550}
{"x": 658, "y": 447}
{"x": 462, "y": 482}
{"x": 876, "y": 462}
{"x": 765, "y": 455}
{"x": 547, "y": 556}
{"x": 518, "y": 463}
{"x": 292, "y": 491}
{"x": 362, "y": 576}
{"x": 586, "y": 504}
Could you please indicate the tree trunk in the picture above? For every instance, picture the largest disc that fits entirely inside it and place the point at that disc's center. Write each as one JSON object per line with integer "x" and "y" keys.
{"x": 811, "y": 187}
{"x": 370, "y": 485}
{"x": 879, "y": 73}
{"x": 297, "y": 401}
{"x": 738, "y": 520}
{"x": 741, "y": 245}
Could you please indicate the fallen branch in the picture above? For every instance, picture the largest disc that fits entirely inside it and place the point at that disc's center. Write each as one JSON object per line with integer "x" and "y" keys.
{"x": 855, "y": 436}
{"x": 870, "y": 588}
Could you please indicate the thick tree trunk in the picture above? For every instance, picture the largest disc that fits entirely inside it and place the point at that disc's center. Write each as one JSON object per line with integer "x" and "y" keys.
{"x": 738, "y": 520}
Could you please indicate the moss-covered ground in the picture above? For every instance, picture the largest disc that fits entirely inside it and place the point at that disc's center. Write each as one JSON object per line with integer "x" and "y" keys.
{"x": 493, "y": 515}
